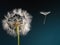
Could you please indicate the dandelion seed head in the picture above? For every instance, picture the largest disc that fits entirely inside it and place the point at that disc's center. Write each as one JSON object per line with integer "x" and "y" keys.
{"x": 23, "y": 17}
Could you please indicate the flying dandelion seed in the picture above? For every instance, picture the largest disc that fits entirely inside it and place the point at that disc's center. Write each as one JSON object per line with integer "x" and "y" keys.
{"x": 17, "y": 23}
{"x": 45, "y": 14}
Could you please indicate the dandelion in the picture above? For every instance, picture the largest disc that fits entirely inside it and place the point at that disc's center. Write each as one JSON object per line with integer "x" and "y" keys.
{"x": 17, "y": 22}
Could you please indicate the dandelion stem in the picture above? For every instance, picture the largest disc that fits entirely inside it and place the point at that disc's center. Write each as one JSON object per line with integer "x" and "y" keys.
{"x": 18, "y": 35}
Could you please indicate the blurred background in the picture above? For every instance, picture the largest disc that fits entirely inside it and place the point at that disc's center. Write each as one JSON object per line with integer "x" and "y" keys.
{"x": 40, "y": 34}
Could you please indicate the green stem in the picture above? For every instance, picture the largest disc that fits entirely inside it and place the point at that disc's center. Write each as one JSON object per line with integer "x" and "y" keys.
{"x": 18, "y": 35}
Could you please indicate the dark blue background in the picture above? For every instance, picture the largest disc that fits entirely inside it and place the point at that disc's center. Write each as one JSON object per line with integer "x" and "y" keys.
{"x": 40, "y": 34}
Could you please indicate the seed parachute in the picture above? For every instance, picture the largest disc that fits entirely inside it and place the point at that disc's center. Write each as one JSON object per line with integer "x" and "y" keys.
{"x": 45, "y": 14}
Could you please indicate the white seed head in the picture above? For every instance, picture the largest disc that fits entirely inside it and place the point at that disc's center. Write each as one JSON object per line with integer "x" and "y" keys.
{"x": 23, "y": 17}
